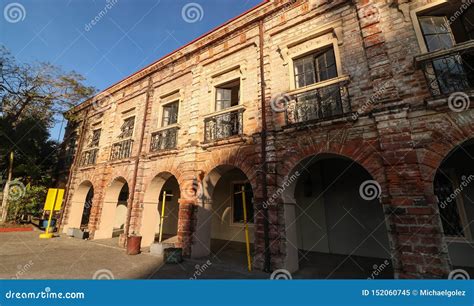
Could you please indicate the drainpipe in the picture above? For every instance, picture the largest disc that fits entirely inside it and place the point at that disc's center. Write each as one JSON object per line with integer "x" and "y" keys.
{"x": 74, "y": 164}
{"x": 137, "y": 161}
{"x": 266, "y": 226}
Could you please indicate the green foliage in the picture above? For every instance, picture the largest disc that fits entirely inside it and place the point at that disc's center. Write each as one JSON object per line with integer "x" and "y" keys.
{"x": 39, "y": 90}
{"x": 35, "y": 154}
{"x": 32, "y": 96}
{"x": 30, "y": 203}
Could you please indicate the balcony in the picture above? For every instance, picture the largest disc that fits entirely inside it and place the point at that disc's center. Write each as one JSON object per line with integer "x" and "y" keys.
{"x": 320, "y": 102}
{"x": 121, "y": 150}
{"x": 223, "y": 125}
{"x": 164, "y": 140}
{"x": 89, "y": 157}
{"x": 449, "y": 71}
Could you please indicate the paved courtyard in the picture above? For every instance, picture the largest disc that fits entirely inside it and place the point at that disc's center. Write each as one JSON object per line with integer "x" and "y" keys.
{"x": 25, "y": 256}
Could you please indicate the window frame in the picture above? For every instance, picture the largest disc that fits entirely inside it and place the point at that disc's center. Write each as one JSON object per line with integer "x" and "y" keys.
{"x": 463, "y": 219}
{"x": 133, "y": 129}
{"x": 89, "y": 145}
{"x": 448, "y": 32}
{"x": 316, "y": 69}
{"x": 420, "y": 11}
{"x": 327, "y": 43}
{"x": 162, "y": 111}
{"x": 224, "y": 83}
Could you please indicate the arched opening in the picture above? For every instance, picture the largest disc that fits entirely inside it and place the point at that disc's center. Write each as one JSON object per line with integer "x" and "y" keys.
{"x": 335, "y": 222}
{"x": 121, "y": 211}
{"x": 86, "y": 213}
{"x": 80, "y": 207}
{"x": 454, "y": 188}
{"x": 221, "y": 229}
{"x": 114, "y": 210}
{"x": 165, "y": 187}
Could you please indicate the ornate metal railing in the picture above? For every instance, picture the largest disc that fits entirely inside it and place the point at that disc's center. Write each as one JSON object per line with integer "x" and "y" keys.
{"x": 89, "y": 157}
{"x": 121, "y": 150}
{"x": 449, "y": 71}
{"x": 164, "y": 140}
{"x": 223, "y": 125}
{"x": 318, "y": 104}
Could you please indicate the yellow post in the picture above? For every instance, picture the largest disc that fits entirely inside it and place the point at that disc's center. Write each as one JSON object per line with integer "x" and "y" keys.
{"x": 47, "y": 234}
{"x": 162, "y": 217}
{"x": 247, "y": 240}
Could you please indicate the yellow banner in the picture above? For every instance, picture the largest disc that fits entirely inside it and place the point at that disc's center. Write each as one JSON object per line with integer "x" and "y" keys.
{"x": 54, "y": 199}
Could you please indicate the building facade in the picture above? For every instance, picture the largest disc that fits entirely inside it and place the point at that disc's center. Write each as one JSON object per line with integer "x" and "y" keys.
{"x": 348, "y": 125}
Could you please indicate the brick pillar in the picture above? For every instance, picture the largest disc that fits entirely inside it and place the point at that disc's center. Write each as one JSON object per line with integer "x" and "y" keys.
{"x": 95, "y": 214}
{"x": 186, "y": 215}
{"x": 185, "y": 225}
{"x": 417, "y": 244}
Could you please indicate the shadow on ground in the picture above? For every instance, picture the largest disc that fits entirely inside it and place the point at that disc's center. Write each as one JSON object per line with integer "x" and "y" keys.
{"x": 25, "y": 256}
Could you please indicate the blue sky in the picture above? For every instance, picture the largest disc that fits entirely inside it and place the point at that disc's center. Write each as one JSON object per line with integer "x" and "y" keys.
{"x": 128, "y": 34}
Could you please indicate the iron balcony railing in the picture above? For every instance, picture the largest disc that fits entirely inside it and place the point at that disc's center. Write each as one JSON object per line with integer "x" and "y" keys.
{"x": 318, "y": 104}
{"x": 223, "y": 125}
{"x": 89, "y": 157}
{"x": 449, "y": 71}
{"x": 121, "y": 150}
{"x": 164, "y": 140}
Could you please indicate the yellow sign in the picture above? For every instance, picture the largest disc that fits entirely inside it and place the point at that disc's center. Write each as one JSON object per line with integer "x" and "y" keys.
{"x": 54, "y": 199}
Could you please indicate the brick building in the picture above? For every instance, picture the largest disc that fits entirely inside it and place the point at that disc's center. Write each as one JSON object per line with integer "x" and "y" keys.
{"x": 349, "y": 125}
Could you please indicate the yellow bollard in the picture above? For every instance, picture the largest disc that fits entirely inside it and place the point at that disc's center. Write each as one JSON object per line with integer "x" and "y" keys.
{"x": 247, "y": 240}
{"x": 162, "y": 217}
